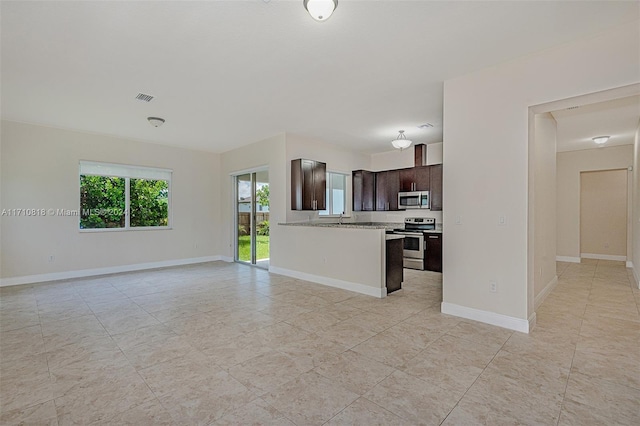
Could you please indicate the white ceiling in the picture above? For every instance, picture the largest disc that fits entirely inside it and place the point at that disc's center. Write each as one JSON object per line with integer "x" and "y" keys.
{"x": 578, "y": 126}
{"x": 229, "y": 73}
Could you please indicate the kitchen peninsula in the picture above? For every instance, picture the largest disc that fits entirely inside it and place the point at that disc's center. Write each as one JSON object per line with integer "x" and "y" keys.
{"x": 351, "y": 256}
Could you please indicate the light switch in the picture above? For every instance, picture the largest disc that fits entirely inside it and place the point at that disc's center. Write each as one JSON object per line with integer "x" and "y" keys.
{"x": 502, "y": 220}
{"x": 458, "y": 220}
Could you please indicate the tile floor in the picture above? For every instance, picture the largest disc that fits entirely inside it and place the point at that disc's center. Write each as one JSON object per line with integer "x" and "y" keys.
{"x": 227, "y": 344}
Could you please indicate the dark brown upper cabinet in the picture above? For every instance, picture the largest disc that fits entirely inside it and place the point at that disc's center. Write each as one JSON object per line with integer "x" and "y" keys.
{"x": 364, "y": 186}
{"x": 415, "y": 179}
{"x": 387, "y": 187}
{"x": 436, "y": 186}
{"x": 308, "y": 185}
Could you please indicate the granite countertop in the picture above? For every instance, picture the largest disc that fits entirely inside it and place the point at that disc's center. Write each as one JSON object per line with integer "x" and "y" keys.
{"x": 353, "y": 225}
{"x": 359, "y": 225}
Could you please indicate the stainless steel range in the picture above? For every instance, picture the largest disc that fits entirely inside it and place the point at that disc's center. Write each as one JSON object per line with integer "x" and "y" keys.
{"x": 414, "y": 227}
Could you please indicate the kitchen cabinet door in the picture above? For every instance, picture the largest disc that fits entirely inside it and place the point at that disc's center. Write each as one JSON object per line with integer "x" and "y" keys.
{"x": 433, "y": 252}
{"x": 320, "y": 185}
{"x": 394, "y": 266}
{"x": 387, "y": 187}
{"x": 308, "y": 185}
{"x": 414, "y": 179}
{"x": 363, "y": 184}
{"x": 407, "y": 179}
{"x": 435, "y": 184}
{"x": 422, "y": 178}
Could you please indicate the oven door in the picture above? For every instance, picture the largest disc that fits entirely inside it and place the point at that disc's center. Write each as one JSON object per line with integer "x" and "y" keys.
{"x": 413, "y": 245}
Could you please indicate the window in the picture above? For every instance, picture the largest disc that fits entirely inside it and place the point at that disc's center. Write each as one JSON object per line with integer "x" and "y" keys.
{"x": 115, "y": 196}
{"x": 336, "y": 194}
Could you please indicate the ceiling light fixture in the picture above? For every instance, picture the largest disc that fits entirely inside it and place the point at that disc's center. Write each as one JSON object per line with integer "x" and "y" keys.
{"x": 320, "y": 10}
{"x": 401, "y": 142}
{"x": 601, "y": 139}
{"x": 156, "y": 121}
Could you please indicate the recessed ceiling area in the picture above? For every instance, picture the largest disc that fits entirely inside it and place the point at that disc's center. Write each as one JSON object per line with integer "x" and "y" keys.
{"x": 616, "y": 118}
{"x": 229, "y": 73}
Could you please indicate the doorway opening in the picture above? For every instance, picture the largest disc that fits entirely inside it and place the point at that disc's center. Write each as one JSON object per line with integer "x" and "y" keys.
{"x": 252, "y": 218}
{"x": 603, "y": 214}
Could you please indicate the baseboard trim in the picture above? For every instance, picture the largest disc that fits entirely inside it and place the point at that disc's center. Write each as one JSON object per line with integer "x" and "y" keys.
{"x": 603, "y": 256}
{"x": 545, "y": 292}
{"x": 487, "y": 317}
{"x": 331, "y": 282}
{"x": 55, "y": 276}
{"x": 567, "y": 259}
{"x": 227, "y": 259}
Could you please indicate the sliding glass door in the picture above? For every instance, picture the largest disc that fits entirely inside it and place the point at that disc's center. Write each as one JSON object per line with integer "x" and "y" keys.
{"x": 252, "y": 218}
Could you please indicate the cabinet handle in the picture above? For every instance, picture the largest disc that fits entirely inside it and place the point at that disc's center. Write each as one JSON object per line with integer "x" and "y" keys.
{"x": 363, "y": 206}
{"x": 433, "y": 236}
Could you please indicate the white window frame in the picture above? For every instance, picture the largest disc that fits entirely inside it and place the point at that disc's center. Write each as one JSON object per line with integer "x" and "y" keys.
{"x": 128, "y": 172}
{"x": 347, "y": 195}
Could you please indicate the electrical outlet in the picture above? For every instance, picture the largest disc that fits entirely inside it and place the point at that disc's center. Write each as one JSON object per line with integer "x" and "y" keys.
{"x": 502, "y": 220}
{"x": 51, "y": 258}
{"x": 458, "y": 220}
{"x": 493, "y": 286}
{"x": 195, "y": 245}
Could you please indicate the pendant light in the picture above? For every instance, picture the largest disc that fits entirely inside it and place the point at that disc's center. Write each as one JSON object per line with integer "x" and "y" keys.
{"x": 320, "y": 10}
{"x": 401, "y": 142}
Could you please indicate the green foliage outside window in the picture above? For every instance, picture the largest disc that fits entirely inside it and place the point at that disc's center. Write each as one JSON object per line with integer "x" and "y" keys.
{"x": 102, "y": 202}
{"x": 149, "y": 202}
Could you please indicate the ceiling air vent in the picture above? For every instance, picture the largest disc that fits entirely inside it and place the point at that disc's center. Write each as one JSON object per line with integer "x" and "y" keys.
{"x": 144, "y": 97}
{"x": 425, "y": 126}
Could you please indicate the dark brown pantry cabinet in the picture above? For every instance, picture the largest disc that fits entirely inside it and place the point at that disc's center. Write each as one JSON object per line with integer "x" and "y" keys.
{"x": 308, "y": 185}
{"x": 435, "y": 173}
{"x": 364, "y": 186}
{"x": 433, "y": 251}
{"x": 387, "y": 187}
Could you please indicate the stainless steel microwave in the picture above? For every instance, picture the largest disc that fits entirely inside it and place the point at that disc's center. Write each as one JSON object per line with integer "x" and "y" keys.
{"x": 414, "y": 200}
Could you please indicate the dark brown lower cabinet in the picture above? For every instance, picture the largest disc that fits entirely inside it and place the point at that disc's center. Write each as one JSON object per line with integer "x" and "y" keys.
{"x": 395, "y": 270}
{"x": 433, "y": 252}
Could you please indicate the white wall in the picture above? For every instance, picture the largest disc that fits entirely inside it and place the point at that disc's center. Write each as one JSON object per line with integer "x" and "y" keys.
{"x": 544, "y": 213}
{"x": 486, "y": 170}
{"x": 351, "y": 259}
{"x": 40, "y": 170}
{"x": 569, "y": 166}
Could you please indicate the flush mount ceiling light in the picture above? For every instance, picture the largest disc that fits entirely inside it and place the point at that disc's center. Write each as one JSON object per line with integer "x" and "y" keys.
{"x": 601, "y": 139}
{"x": 320, "y": 10}
{"x": 401, "y": 142}
{"x": 156, "y": 121}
